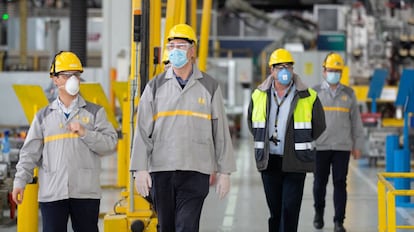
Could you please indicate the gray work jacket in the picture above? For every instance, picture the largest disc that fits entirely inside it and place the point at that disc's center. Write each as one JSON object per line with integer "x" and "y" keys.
{"x": 69, "y": 165}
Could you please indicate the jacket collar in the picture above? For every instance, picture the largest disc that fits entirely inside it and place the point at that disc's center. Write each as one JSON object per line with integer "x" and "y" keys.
{"x": 325, "y": 85}
{"x": 196, "y": 74}
{"x": 81, "y": 103}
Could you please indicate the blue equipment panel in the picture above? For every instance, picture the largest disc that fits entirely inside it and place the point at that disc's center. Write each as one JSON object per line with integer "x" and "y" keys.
{"x": 377, "y": 83}
{"x": 405, "y": 96}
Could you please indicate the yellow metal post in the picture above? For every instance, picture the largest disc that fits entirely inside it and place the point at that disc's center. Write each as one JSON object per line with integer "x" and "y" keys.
{"x": 391, "y": 212}
{"x": 23, "y": 31}
{"x": 177, "y": 11}
{"x": 204, "y": 34}
{"x": 2, "y": 54}
{"x": 134, "y": 74}
{"x": 155, "y": 35}
{"x": 112, "y": 79}
{"x": 183, "y": 12}
{"x": 121, "y": 91}
{"x": 193, "y": 14}
{"x": 28, "y": 211}
{"x": 382, "y": 216}
{"x": 169, "y": 18}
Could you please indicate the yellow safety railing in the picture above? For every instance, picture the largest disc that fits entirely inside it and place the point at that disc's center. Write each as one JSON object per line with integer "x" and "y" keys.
{"x": 387, "y": 217}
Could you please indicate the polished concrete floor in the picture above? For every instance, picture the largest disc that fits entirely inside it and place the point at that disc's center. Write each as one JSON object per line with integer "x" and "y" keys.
{"x": 245, "y": 209}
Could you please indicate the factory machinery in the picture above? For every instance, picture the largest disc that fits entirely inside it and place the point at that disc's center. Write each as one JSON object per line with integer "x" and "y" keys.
{"x": 371, "y": 35}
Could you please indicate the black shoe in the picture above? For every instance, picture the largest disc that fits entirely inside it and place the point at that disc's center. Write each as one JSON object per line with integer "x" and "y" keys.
{"x": 318, "y": 221}
{"x": 339, "y": 227}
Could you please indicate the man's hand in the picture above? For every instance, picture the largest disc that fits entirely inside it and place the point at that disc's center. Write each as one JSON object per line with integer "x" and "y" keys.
{"x": 77, "y": 128}
{"x": 143, "y": 182}
{"x": 17, "y": 195}
{"x": 223, "y": 185}
{"x": 356, "y": 153}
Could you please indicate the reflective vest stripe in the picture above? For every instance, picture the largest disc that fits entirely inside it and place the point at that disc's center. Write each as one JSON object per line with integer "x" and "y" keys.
{"x": 259, "y": 144}
{"x": 303, "y": 125}
{"x": 303, "y": 146}
{"x": 258, "y": 124}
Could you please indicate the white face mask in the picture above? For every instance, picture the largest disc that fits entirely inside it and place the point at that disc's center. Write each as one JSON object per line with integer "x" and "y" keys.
{"x": 72, "y": 85}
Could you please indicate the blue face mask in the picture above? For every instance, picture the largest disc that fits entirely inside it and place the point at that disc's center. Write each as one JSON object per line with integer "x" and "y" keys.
{"x": 333, "y": 77}
{"x": 284, "y": 76}
{"x": 178, "y": 57}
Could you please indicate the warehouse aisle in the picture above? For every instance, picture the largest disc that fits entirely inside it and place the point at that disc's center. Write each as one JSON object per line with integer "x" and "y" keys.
{"x": 245, "y": 210}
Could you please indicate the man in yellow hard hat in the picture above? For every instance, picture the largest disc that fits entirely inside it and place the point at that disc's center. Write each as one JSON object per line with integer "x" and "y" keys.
{"x": 182, "y": 136}
{"x": 344, "y": 136}
{"x": 66, "y": 140}
{"x": 284, "y": 117}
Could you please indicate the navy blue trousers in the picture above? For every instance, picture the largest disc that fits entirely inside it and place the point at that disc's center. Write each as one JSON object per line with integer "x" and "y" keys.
{"x": 178, "y": 198}
{"x": 338, "y": 161}
{"x": 83, "y": 214}
{"x": 284, "y": 191}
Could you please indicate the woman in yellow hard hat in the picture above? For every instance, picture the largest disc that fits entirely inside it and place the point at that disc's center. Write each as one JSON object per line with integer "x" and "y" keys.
{"x": 284, "y": 117}
{"x": 343, "y": 136}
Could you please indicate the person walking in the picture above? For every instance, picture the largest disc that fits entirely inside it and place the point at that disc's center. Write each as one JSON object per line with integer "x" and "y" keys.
{"x": 284, "y": 117}
{"x": 181, "y": 137}
{"x": 344, "y": 136}
{"x": 66, "y": 140}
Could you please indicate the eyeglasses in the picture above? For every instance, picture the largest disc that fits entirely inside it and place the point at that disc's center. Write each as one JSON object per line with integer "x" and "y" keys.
{"x": 333, "y": 70}
{"x": 183, "y": 46}
{"x": 67, "y": 75}
{"x": 282, "y": 66}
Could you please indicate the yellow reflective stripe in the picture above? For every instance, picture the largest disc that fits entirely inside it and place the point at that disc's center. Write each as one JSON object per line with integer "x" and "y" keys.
{"x": 258, "y": 145}
{"x": 181, "y": 112}
{"x": 303, "y": 146}
{"x": 341, "y": 109}
{"x": 60, "y": 136}
{"x": 258, "y": 124}
{"x": 303, "y": 125}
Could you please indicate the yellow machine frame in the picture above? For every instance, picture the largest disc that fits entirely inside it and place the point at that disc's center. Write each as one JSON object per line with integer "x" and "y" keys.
{"x": 387, "y": 218}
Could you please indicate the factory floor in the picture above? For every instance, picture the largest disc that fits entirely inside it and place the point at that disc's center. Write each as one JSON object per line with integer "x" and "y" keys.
{"x": 245, "y": 209}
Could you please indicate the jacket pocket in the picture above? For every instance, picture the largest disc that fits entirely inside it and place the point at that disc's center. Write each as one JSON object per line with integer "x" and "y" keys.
{"x": 306, "y": 156}
{"x": 88, "y": 181}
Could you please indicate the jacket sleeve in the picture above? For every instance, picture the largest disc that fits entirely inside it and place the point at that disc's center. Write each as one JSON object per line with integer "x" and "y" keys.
{"x": 318, "y": 119}
{"x": 225, "y": 160}
{"x": 143, "y": 142}
{"x": 103, "y": 138}
{"x": 357, "y": 130}
{"x": 30, "y": 155}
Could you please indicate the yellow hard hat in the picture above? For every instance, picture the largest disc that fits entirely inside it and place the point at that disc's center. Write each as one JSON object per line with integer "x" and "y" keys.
{"x": 65, "y": 61}
{"x": 333, "y": 61}
{"x": 182, "y": 31}
{"x": 165, "y": 56}
{"x": 280, "y": 56}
